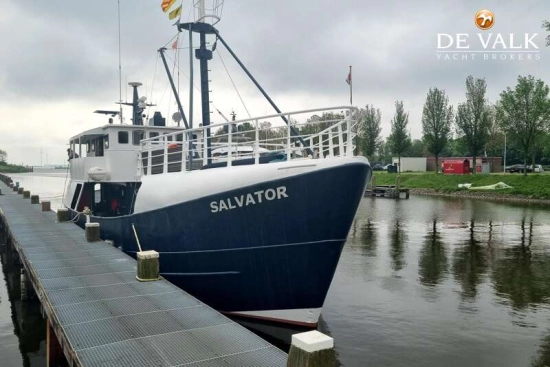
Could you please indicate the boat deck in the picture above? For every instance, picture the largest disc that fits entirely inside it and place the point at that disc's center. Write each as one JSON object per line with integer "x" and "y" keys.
{"x": 103, "y": 316}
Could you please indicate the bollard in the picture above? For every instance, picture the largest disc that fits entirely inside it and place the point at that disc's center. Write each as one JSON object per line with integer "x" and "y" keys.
{"x": 311, "y": 349}
{"x": 26, "y": 194}
{"x": 20, "y": 190}
{"x": 92, "y": 232}
{"x": 46, "y": 207}
{"x": 373, "y": 182}
{"x": 148, "y": 266}
{"x": 63, "y": 215}
{"x": 17, "y": 184}
{"x": 0, "y": 191}
{"x": 11, "y": 185}
{"x": 15, "y": 188}
{"x": 34, "y": 199}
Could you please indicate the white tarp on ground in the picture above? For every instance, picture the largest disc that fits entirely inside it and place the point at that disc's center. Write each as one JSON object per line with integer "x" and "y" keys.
{"x": 497, "y": 186}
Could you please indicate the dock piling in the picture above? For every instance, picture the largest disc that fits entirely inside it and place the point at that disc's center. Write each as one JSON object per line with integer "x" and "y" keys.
{"x": 20, "y": 190}
{"x": 63, "y": 215}
{"x": 54, "y": 351}
{"x": 46, "y": 206}
{"x": 311, "y": 349}
{"x": 35, "y": 199}
{"x": 26, "y": 194}
{"x": 24, "y": 286}
{"x": 147, "y": 266}
{"x": 92, "y": 232}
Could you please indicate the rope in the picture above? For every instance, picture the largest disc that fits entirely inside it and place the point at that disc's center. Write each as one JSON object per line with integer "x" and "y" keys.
{"x": 232, "y": 82}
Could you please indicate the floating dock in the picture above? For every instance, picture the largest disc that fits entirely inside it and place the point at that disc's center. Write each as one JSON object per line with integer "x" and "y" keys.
{"x": 387, "y": 191}
{"x": 100, "y": 315}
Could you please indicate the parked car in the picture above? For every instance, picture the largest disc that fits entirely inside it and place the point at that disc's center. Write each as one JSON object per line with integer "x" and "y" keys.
{"x": 537, "y": 168}
{"x": 518, "y": 168}
{"x": 378, "y": 167}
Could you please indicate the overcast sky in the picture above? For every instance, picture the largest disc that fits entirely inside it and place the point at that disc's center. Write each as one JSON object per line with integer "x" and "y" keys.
{"x": 59, "y": 59}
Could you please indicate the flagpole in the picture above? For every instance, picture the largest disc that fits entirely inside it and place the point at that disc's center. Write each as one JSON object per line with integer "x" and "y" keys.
{"x": 350, "y": 87}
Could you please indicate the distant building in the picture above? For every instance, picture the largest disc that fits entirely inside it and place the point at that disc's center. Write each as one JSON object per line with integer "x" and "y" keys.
{"x": 495, "y": 163}
{"x": 412, "y": 164}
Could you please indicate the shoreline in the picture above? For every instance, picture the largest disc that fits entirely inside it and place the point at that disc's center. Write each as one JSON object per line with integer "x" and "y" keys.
{"x": 480, "y": 195}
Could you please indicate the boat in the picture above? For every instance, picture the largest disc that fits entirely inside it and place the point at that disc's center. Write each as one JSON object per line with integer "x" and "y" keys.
{"x": 255, "y": 232}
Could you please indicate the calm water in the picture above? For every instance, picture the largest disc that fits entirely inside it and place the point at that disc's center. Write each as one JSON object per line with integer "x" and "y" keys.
{"x": 421, "y": 282}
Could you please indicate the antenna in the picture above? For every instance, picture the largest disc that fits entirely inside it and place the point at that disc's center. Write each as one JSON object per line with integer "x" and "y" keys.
{"x": 119, "y": 66}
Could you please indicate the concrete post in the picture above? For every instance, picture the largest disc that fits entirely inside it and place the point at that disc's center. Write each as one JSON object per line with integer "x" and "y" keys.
{"x": 147, "y": 266}
{"x": 35, "y": 199}
{"x": 26, "y": 194}
{"x": 63, "y": 215}
{"x": 311, "y": 349}
{"x": 15, "y": 188}
{"x": 20, "y": 190}
{"x": 0, "y": 191}
{"x": 92, "y": 232}
{"x": 46, "y": 207}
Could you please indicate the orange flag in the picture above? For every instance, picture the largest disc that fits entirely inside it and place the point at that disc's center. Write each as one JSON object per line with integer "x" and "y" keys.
{"x": 167, "y": 4}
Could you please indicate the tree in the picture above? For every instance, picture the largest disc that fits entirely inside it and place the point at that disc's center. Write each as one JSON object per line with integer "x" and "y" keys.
{"x": 3, "y": 156}
{"x": 370, "y": 130}
{"x": 524, "y": 113}
{"x": 546, "y": 25}
{"x": 437, "y": 119}
{"x": 399, "y": 138}
{"x": 472, "y": 118}
{"x": 495, "y": 138}
{"x": 416, "y": 149}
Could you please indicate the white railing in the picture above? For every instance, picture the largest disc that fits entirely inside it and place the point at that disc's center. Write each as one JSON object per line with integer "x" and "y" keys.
{"x": 310, "y": 134}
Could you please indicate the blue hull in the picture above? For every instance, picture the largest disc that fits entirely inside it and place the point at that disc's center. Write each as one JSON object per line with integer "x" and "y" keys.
{"x": 280, "y": 254}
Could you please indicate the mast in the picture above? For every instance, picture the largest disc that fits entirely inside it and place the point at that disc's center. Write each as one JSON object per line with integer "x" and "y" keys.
{"x": 119, "y": 67}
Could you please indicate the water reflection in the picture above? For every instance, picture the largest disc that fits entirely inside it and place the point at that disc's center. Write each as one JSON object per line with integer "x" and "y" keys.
{"x": 433, "y": 262}
{"x": 398, "y": 237}
{"x": 543, "y": 356}
{"x": 522, "y": 274}
{"x": 369, "y": 239}
{"x": 470, "y": 264}
{"x": 28, "y": 323}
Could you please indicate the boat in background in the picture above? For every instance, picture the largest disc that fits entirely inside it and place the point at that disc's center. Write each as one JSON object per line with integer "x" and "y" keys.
{"x": 256, "y": 231}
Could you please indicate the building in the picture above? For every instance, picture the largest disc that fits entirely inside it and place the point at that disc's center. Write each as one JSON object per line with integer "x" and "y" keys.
{"x": 411, "y": 164}
{"x": 495, "y": 163}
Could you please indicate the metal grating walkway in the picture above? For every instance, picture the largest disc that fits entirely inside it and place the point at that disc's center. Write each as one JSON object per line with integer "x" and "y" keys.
{"x": 106, "y": 316}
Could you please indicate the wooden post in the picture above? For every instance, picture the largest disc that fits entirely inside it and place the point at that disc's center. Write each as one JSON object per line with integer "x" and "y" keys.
{"x": 373, "y": 182}
{"x": 26, "y": 194}
{"x": 92, "y": 232}
{"x": 63, "y": 215}
{"x": 147, "y": 266}
{"x": 20, "y": 190}
{"x": 35, "y": 199}
{"x": 54, "y": 352}
{"x": 311, "y": 349}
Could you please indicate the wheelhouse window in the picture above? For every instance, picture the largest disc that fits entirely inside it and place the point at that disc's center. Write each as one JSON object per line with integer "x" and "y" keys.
{"x": 106, "y": 141}
{"x": 153, "y": 135}
{"x": 137, "y": 136}
{"x": 179, "y": 137}
{"x": 123, "y": 137}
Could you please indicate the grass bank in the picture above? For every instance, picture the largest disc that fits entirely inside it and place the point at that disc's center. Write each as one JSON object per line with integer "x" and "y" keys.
{"x": 532, "y": 186}
{"x": 13, "y": 168}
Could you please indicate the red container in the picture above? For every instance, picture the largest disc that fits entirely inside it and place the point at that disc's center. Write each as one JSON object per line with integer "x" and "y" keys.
{"x": 456, "y": 167}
